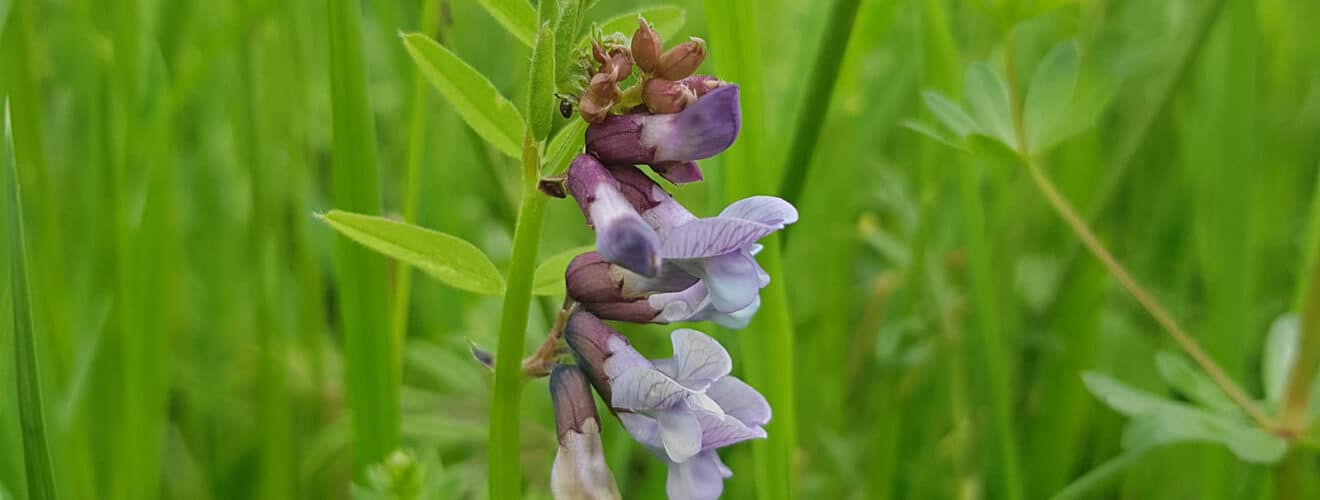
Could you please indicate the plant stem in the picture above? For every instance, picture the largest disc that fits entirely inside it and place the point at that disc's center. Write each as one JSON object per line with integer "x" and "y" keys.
{"x": 504, "y": 467}
{"x": 1161, "y": 316}
{"x": 1292, "y": 422}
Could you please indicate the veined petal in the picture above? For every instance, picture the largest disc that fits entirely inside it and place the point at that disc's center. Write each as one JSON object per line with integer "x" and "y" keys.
{"x": 711, "y": 237}
{"x": 732, "y": 280}
{"x": 645, "y": 389}
{"x": 680, "y": 432}
{"x": 698, "y": 359}
{"x": 643, "y": 429}
{"x": 718, "y": 433}
{"x": 740, "y": 401}
{"x": 701, "y": 478}
{"x": 579, "y": 469}
{"x": 702, "y": 130}
{"x": 767, "y": 210}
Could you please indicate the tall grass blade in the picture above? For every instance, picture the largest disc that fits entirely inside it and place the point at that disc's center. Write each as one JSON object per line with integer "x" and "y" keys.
{"x": 372, "y": 374}
{"x": 36, "y": 450}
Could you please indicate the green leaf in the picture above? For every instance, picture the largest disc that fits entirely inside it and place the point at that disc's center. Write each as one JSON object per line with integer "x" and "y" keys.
{"x": 40, "y": 481}
{"x": 950, "y": 114}
{"x": 1157, "y": 421}
{"x": 564, "y": 146}
{"x": 541, "y": 104}
{"x": 517, "y": 16}
{"x": 549, "y": 277}
{"x": 931, "y": 132}
{"x": 1190, "y": 382}
{"x": 666, "y": 19}
{"x": 450, "y": 259}
{"x": 992, "y": 148}
{"x": 987, "y": 95}
{"x": 1279, "y": 356}
{"x": 1050, "y": 93}
{"x": 473, "y": 96}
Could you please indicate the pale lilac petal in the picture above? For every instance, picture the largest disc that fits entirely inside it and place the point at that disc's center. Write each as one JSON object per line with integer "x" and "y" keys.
{"x": 711, "y": 237}
{"x": 681, "y": 305}
{"x": 740, "y": 401}
{"x": 767, "y": 210}
{"x": 579, "y": 469}
{"x": 645, "y": 389}
{"x": 680, "y": 432}
{"x": 643, "y": 429}
{"x": 622, "y": 237}
{"x": 701, "y": 478}
{"x": 718, "y": 433}
{"x": 732, "y": 280}
{"x": 699, "y": 360}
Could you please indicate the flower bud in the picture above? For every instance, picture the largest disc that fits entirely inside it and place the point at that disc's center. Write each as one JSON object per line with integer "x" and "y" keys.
{"x": 665, "y": 96}
{"x": 592, "y": 110}
{"x": 579, "y": 470}
{"x": 622, "y": 236}
{"x": 681, "y": 61}
{"x": 620, "y": 65}
{"x": 646, "y": 46}
{"x": 603, "y": 88}
{"x": 702, "y": 84}
{"x": 601, "y": 352}
{"x": 702, "y": 130}
{"x": 598, "y": 53}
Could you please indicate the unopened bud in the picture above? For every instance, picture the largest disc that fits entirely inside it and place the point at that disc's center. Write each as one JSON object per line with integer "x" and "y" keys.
{"x": 603, "y": 87}
{"x": 702, "y": 84}
{"x": 598, "y": 53}
{"x": 666, "y": 96}
{"x": 579, "y": 470}
{"x": 620, "y": 65}
{"x": 681, "y": 61}
{"x": 646, "y": 46}
{"x": 593, "y": 111}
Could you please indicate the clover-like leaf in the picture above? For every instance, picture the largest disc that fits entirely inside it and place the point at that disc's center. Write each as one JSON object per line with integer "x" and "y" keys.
{"x": 1050, "y": 94}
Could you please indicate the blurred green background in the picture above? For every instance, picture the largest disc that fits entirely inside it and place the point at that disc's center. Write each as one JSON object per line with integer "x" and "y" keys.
{"x": 172, "y": 154}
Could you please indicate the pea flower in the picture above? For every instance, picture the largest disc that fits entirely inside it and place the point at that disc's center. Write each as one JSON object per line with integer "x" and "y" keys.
{"x": 579, "y": 470}
{"x": 706, "y": 267}
{"x": 701, "y": 130}
{"x": 621, "y": 234}
{"x": 682, "y": 408}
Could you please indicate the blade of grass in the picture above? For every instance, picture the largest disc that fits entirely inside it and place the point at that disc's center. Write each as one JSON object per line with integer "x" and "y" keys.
{"x": 736, "y": 48}
{"x": 816, "y": 104}
{"x": 372, "y": 372}
{"x": 36, "y": 450}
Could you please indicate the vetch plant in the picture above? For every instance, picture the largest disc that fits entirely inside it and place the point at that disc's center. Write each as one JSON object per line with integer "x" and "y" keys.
{"x": 654, "y": 260}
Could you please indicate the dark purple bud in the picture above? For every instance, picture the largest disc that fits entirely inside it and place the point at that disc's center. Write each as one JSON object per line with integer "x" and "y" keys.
{"x": 597, "y": 286}
{"x": 646, "y": 46}
{"x": 594, "y": 343}
{"x": 555, "y": 187}
{"x": 622, "y": 236}
{"x": 702, "y": 130}
{"x": 483, "y": 357}
{"x": 679, "y": 172}
{"x": 571, "y": 394}
{"x": 681, "y": 61}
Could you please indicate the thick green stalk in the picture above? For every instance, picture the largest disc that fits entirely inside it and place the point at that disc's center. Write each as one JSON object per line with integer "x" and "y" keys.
{"x": 1293, "y": 420}
{"x": 36, "y": 451}
{"x": 816, "y": 104}
{"x": 371, "y": 369}
{"x": 504, "y": 467}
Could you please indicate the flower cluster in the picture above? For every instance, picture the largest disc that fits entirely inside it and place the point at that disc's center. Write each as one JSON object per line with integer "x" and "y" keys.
{"x": 657, "y": 262}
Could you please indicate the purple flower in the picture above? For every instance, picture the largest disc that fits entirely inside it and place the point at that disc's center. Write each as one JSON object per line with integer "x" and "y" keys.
{"x": 706, "y": 267}
{"x": 579, "y": 470}
{"x": 681, "y": 408}
{"x": 622, "y": 236}
{"x": 702, "y": 130}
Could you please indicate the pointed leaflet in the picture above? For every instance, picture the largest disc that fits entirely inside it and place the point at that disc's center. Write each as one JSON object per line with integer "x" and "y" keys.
{"x": 988, "y": 97}
{"x": 516, "y": 16}
{"x": 1050, "y": 94}
{"x": 566, "y": 144}
{"x": 949, "y": 114}
{"x": 473, "y": 96}
{"x": 450, "y": 259}
{"x": 541, "y": 104}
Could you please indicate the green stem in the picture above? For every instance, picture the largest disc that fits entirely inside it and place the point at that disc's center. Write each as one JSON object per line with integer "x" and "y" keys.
{"x": 503, "y": 466}
{"x": 816, "y": 105}
{"x": 1093, "y": 483}
{"x": 1293, "y": 420}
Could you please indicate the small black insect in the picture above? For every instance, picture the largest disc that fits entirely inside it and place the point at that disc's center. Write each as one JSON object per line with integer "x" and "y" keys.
{"x": 565, "y": 105}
